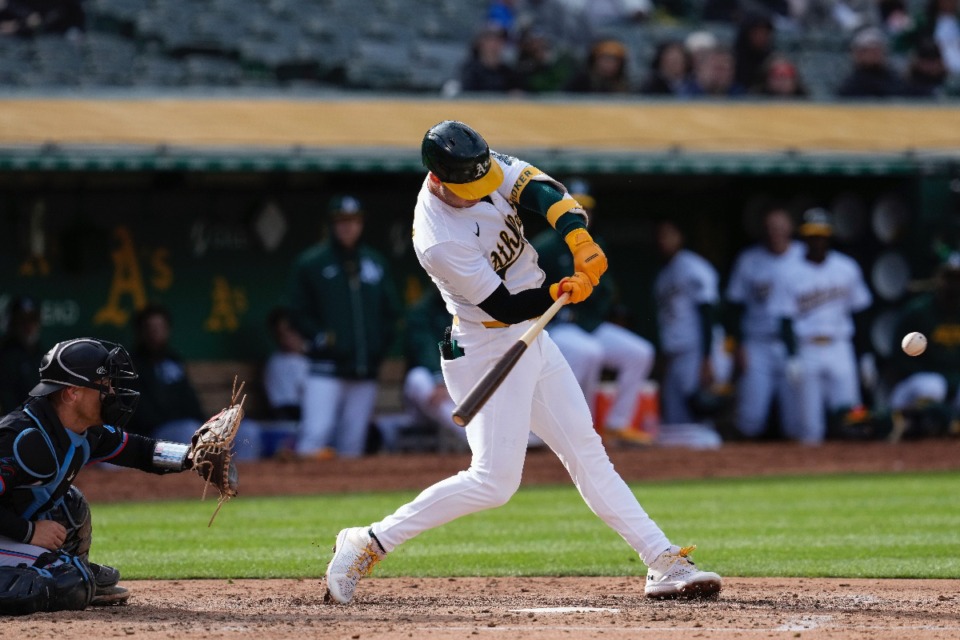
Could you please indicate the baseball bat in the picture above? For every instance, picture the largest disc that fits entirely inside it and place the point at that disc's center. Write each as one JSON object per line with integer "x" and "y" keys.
{"x": 464, "y": 412}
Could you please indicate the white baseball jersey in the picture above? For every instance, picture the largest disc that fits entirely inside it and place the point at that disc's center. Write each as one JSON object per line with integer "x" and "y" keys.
{"x": 468, "y": 252}
{"x": 821, "y": 298}
{"x": 755, "y": 275}
{"x": 685, "y": 283}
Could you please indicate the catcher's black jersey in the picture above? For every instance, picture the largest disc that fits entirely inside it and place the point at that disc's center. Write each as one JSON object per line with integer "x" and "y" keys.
{"x": 39, "y": 458}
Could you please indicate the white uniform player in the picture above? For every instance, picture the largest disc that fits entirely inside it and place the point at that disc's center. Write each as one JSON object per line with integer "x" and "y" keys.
{"x": 687, "y": 293}
{"x": 762, "y": 355}
{"x": 819, "y": 297}
{"x": 468, "y": 236}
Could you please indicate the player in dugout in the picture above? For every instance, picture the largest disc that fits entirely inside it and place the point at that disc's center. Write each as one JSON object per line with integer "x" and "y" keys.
{"x": 73, "y": 417}
{"x": 468, "y": 237}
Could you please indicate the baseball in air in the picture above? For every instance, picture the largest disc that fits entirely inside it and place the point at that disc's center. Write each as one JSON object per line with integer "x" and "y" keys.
{"x": 914, "y": 343}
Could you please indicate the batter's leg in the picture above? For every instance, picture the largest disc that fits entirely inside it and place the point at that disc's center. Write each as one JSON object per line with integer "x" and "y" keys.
{"x": 498, "y": 439}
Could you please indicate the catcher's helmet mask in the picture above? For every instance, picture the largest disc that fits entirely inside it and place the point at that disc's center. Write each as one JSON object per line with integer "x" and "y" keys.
{"x": 87, "y": 362}
{"x": 460, "y": 158}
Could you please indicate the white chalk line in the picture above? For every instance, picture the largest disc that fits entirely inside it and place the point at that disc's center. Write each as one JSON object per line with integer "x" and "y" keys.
{"x": 533, "y": 628}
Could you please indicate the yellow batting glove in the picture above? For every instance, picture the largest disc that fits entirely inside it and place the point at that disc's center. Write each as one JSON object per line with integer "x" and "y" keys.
{"x": 588, "y": 257}
{"x": 578, "y": 286}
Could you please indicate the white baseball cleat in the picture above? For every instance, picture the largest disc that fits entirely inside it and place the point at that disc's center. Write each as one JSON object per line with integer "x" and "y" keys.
{"x": 355, "y": 555}
{"x": 674, "y": 575}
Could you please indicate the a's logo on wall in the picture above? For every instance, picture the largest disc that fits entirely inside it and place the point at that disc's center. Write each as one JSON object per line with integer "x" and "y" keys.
{"x": 128, "y": 289}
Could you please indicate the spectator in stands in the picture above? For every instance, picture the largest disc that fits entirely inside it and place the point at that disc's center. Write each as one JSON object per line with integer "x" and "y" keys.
{"x": 541, "y": 68}
{"x": 872, "y": 75}
{"x": 752, "y": 48}
{"x": 782, "y": 79}
{"x": 285, "y": 372}
{"x": 669, "y": 70}
{"x": 343, "y": 301}
{"x": 713, "y": 76}
{"x": 169, "y": 408}
{"x": 590, "y": 342}
{"x": 486, "y": 68}
{"x": 605, "y": 70}
{"x": 20, "y": 352}
{"x": 926, "y": 73}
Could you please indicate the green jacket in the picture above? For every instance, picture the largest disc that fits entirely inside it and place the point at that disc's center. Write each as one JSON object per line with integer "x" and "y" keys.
{"x": 941, "y": 325}
{"x": 557, "y": 262}
{"x": 346, "y": 305}
{"x": 426, "y": 320}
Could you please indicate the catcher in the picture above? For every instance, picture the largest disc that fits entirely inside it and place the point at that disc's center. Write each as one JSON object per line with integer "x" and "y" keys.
{"x": 74, "y": 417}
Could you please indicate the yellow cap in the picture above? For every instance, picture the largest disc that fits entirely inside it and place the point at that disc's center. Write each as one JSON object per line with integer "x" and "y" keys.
{"x": 484, "y": 186}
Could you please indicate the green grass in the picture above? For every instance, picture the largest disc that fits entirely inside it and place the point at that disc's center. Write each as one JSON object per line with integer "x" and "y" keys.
{"x": 903, "y": 525}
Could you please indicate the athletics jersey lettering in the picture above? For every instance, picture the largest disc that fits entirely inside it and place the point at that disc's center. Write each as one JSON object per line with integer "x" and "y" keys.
{"x": 810, "y": 300}
{"x": 510, "y": 246}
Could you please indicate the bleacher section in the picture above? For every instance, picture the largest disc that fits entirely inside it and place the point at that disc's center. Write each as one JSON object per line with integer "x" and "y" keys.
{"x": 411, "y": 46}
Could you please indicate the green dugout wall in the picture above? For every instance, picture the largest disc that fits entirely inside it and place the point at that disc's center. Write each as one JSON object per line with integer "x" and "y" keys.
{"x": 203, "y": 204}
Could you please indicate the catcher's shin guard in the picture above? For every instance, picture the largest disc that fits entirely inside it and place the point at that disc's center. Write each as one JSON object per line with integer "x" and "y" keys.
{"x": 23, "y": 590}
{"x": 65, "y": 585}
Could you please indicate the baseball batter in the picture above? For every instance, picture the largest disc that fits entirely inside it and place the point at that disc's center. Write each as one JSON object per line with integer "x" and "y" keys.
{"x": 468, "y": 237}
{"x": 761, "y": 354}
{"x": 816, "y": 304}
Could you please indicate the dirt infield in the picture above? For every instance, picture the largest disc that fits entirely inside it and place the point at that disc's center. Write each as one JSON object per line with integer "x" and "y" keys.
{"x": 538, "y": 608}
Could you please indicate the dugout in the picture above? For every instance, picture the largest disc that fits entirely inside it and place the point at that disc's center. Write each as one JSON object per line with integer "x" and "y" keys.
{"x": 202, "y": 203}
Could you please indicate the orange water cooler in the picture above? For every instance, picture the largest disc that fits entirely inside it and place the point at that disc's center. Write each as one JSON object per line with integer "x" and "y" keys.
{"x": 646, "y": 414}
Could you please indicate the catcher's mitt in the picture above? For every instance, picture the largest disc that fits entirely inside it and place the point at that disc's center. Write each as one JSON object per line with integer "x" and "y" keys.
{"x": 211, "y": 449}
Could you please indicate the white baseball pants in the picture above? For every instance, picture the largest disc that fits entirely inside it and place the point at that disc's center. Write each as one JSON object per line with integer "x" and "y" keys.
{"x": 542, "y": 394}
{"x": 336, "y": 413}
{"x": 763, "y": 379}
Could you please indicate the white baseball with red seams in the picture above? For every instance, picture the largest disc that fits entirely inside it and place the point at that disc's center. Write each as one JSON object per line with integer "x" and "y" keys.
{"x": 914, "y": 343}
